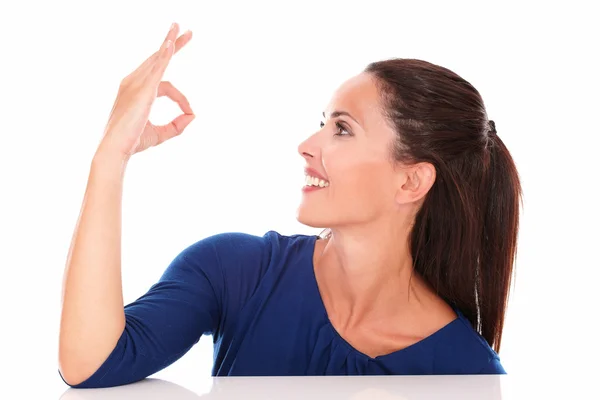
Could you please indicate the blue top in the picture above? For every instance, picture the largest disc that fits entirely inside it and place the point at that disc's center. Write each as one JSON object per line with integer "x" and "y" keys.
{"x": 258, "y": 297}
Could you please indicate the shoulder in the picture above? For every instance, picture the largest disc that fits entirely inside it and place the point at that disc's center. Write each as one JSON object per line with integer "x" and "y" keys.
{"x": 493, "y": 367}
{"x": 230, "y": 257}
{"x": 239, "y": 266}
{"x": 234, "y": 247}
{"x": 226, "y": 242}
{"x": 465, "y": 351}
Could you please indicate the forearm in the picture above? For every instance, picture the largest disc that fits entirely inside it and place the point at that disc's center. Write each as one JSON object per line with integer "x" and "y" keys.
{"x": 93, "y": 317}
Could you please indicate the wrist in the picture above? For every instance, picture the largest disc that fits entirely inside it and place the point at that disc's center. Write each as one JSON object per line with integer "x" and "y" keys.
{"x": 108, "y": 151}
{"x": 108, "y": 159}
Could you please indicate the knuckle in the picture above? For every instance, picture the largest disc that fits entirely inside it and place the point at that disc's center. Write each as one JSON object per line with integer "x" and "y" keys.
{"x": 128, "y": 81}
{"x": 176, "y": 130}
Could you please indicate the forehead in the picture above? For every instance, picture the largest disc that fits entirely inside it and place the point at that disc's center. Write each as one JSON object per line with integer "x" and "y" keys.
{"x": 358, "y": 96}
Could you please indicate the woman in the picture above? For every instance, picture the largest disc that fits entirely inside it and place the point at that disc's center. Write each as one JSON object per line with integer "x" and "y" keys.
{"x": 421, "y": 199}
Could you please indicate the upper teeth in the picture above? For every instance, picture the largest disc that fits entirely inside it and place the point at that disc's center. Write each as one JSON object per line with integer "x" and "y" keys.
{"x": 312, "y": 181}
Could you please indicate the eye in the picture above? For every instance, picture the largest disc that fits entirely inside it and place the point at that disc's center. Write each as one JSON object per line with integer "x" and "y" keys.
{"x": 340, "y": 127}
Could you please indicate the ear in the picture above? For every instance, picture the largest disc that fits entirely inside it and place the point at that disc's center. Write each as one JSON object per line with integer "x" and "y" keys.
{"x": 414, "y": 182}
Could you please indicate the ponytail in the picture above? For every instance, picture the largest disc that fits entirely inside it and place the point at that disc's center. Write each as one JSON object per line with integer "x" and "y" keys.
{"x": 498, "y": 243}
{"x": 464, "y": 241}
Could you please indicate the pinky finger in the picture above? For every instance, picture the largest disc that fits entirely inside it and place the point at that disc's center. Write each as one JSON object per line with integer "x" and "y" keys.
{"x": 174, "y": 128}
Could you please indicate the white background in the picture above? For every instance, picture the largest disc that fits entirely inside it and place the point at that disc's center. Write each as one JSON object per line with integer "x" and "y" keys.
{"x": 258, "y": 75}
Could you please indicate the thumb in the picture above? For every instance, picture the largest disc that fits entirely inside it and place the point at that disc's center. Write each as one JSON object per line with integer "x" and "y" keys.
{"x": 174, "y": 128}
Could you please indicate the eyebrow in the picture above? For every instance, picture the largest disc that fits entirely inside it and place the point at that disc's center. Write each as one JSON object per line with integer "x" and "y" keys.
{"x": 338, "y": 113}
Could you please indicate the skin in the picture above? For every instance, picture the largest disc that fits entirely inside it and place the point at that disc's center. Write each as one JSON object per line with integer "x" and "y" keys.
{"x": 92, "y": 315}
{"x": 364, "y": 283}
{"x": 364, "y": 268}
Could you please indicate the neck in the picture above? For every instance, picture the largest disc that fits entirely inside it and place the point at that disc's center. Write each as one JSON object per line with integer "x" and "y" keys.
{"x": 368, "y": 278}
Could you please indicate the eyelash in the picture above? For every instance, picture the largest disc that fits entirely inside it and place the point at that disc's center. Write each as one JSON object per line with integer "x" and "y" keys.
{"x": 339, "y": 126}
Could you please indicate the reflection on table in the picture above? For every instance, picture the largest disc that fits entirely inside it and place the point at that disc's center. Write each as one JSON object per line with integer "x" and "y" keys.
{"x": 464, "y": 387}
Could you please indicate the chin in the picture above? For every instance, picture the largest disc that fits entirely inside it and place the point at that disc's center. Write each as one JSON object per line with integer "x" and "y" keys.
{"x": 305, "y": 218}
{"x": 313, "y": 223}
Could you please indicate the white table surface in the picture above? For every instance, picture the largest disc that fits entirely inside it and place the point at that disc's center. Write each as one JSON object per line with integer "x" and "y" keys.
{"x": 478, "y": 387}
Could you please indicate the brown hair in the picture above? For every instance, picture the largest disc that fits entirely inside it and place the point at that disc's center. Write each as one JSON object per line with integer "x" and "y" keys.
{"x": 464, "y": 239}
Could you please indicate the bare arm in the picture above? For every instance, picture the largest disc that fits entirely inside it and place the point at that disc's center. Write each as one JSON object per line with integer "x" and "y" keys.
{"x": 93, "y": 316}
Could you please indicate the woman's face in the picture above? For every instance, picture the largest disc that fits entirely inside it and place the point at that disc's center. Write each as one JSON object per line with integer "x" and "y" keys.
{"x": 353, "y": 153}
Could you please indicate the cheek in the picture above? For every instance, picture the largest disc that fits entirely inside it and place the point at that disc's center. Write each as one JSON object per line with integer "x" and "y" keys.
{"x": 364, "y": 180}
{"x": 351, "y": 165}
{"x": 358, "y": 173}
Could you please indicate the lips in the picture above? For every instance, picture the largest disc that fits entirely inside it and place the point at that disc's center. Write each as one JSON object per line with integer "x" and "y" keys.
{"x": 315, "y": 173}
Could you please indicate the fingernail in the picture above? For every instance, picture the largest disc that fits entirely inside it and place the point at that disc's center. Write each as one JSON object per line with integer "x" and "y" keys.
{"x": 172, "y": 26}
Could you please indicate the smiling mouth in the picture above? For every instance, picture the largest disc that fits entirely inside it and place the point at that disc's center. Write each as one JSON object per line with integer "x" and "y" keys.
{"x": 314, "y": 182}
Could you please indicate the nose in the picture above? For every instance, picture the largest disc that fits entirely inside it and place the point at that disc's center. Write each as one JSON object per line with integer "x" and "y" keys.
{"x": 308, "y": 148}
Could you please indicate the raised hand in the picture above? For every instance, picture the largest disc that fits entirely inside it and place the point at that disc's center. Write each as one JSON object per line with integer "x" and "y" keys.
{"x": 128, "y": 130}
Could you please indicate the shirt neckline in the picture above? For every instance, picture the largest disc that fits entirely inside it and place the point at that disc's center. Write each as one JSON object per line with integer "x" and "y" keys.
{"x": 435, "y": 335}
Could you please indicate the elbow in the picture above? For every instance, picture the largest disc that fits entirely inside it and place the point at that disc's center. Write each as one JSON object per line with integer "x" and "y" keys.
{"x": 73, "y": 370}
{"x": 78, "y": 361}
{"x": 70, "y": 375}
